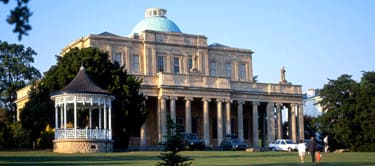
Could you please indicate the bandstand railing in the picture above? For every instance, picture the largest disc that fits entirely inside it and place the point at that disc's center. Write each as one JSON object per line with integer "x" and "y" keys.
{"x": 86, "y": 133}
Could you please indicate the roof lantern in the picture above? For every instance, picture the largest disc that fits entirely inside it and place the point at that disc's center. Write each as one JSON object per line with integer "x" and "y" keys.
{"x": 155, "y": 20}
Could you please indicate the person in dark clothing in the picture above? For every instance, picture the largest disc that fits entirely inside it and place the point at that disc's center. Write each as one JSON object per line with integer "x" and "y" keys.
{"x": 312, "y": 149}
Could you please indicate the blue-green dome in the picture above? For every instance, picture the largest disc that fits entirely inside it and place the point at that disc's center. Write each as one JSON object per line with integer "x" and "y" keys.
{"x": 156, "y": 21}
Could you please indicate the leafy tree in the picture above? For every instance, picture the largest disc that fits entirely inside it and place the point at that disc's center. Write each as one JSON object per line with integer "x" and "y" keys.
{"x": 366, "y": 117}
{"x": 20, "y": 17}
{"x": 38, "y": 112}
{"x": 128, "y": 113}
{"x": 310, "y": 126}
{"x": 172, "y": 146}
{"x": 349, "y": 116}
{"x": 15, "y": 72}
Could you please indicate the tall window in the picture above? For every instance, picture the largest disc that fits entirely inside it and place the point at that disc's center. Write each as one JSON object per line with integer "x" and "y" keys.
{"x": 176, "y": 65}
{"x": 117, "y": 58}
{"x": 135, "y": 64}
{"x": 160, "y": 67}
{"x": 228, "y": 70}
{"x": 242, "y": 71}
{"x": 190, "y": 63}
{"x": 213, "y": 68}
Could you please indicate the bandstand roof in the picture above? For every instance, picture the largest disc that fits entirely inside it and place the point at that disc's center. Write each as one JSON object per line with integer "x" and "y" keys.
{"x": 82, "y": 83}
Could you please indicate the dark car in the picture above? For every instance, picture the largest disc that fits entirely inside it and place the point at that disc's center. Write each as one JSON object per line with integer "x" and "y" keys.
{"x": 319, "y": 145}
{"x": 192, "y": 142}
{"x": 231, "y": 142}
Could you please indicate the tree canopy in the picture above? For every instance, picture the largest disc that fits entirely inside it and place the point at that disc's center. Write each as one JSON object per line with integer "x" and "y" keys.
{"x": 128, "y": 113}
{"x": 15, "y": 72}
{"x": 349, "y": 112}
{"x": 19, "y": 16}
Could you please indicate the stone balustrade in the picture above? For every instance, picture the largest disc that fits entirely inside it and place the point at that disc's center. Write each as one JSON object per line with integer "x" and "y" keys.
{"x": 199, "y": 81}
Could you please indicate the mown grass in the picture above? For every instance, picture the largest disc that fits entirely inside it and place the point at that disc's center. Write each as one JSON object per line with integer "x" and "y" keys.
{"x": 200, "y": 158}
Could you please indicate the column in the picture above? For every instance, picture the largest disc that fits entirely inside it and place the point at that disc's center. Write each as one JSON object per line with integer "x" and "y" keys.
{"x": 289, "y": 123}
{"x": 110, "y": 121}
{"x": 64, "y": 117}
{"x": 163, "y": 118}
{"x": 75, "y": 116}
{"x": 56, "y": 120}
{"x": 293, "y": 122}
{"x": 279, "y": 121}
{"x": 219, "y": 121}
{"x": 206, "y": 122}
{"x": 188, "y": 114}
{"x": 240, "y": 119}
{"x": 61, "y": 117}
{"x": 255, "y": 124}
{"x": 143, "y": 134}
{"x": 227, "y": 117}
{"x": 173, "y": 108}
{"x": 301, "y": 122}
{"x": 105, "y": 115}
{"x": 270, "y": 122}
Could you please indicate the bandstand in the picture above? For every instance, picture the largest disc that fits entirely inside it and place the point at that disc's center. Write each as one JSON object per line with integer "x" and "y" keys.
{"x": 82, "y": 117}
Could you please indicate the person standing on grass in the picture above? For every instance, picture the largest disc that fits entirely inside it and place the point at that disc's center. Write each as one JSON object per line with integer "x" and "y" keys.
{"x": 301, "y": 150}
{"x": 312, "y": 149}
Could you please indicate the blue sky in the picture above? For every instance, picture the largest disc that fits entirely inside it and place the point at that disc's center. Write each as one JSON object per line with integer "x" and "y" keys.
{"x": 314, "y": 39}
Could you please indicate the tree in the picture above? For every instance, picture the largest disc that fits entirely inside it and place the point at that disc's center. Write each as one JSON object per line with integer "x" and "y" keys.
{"x": 173, "y": 145}
{"x": 349, "y": 115}
{"x": 15, "y": 72}
{"x": 128, "y": 113}
{"x": 20, "y": 17}
{"x": 38, "y": 112}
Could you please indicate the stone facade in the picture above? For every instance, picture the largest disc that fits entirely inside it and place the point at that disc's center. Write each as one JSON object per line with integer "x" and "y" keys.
{"x": 207, "y": 88}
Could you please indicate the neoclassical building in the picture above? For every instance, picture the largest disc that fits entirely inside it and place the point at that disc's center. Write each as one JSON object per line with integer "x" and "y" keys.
{"x": 208, "y": 88}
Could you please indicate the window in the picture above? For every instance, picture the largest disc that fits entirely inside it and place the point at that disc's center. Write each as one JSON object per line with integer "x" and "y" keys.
{"x": 242, "y": 72}
{"x": 160, "y": 67}
{"x": 149, "y": 51}
{"x": 228, "y": 70}
{"x": 190, "y": 63}
{"x": 213, "y": 68}
{"x": 176, "y": 65}
{"x": 135, "y": 64}
{"x": 117, "y": 58}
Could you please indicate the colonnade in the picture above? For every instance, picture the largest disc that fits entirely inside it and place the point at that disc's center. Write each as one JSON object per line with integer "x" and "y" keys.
{"x": 223, "y": 115}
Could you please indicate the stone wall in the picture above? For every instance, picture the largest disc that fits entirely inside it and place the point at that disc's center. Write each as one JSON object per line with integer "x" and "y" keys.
{"x": 82, "y": 146}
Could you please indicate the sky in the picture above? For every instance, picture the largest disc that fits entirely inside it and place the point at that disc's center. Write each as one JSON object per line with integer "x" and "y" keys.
{"x": 315, "y": 40}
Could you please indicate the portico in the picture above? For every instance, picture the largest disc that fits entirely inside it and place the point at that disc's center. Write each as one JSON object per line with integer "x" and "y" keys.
{"x": 219, "y": 110}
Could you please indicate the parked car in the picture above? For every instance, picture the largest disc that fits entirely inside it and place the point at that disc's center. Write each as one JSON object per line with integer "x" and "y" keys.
{"x": 283, "y": 144}
{"x": 231, "y": 142}
{"x": 192, "y": 142}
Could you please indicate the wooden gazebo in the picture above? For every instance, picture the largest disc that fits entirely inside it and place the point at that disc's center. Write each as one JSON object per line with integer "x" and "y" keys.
{"x": 82, "y": 117}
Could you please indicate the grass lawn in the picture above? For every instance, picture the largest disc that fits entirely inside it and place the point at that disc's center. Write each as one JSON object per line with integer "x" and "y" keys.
{"x": 200, "y": 158}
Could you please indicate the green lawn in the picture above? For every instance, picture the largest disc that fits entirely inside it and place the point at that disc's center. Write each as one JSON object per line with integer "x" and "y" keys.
{"x": 200, "y": 158}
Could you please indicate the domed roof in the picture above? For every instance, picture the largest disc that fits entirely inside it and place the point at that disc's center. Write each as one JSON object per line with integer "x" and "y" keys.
{"x": 81, "y": 83}
{"x": 155, "y": 20}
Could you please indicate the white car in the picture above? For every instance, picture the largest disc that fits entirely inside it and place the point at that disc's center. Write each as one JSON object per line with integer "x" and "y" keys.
{"x": 283, "y": 144}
